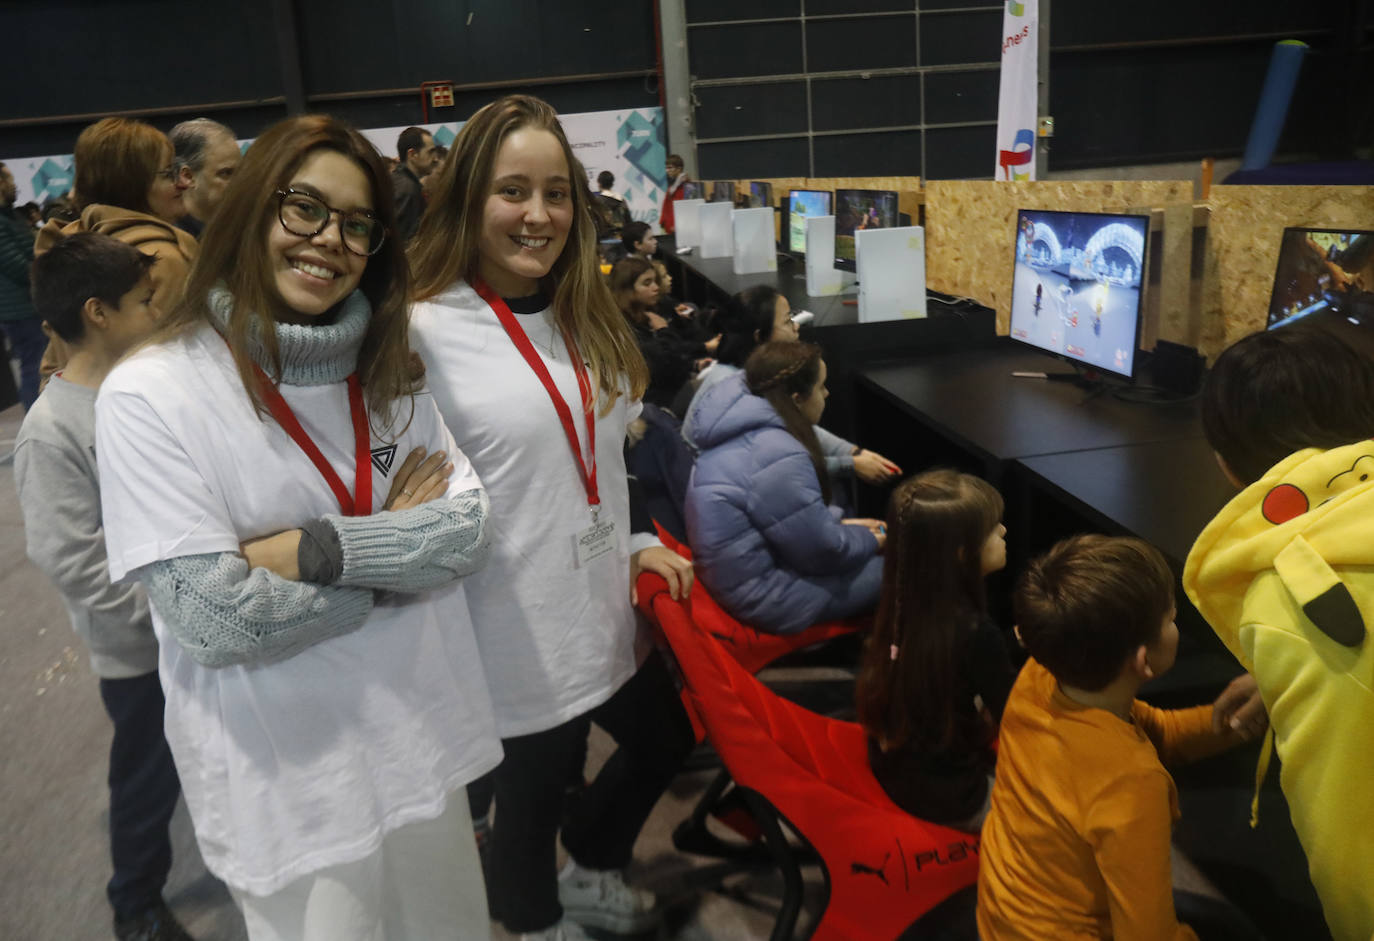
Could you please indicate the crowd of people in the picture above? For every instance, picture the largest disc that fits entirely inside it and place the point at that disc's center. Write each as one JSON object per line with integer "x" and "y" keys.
{"x": 381, "y": 450}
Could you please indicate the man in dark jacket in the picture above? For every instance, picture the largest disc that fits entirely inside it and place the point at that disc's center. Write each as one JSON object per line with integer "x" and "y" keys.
{"x": 18, "y": 320}
{"x": 415, "y": 147}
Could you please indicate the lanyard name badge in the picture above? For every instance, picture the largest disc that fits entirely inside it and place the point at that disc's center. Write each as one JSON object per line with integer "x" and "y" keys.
{"x": 358, "y": 503}
{"x": 599, "y": 538}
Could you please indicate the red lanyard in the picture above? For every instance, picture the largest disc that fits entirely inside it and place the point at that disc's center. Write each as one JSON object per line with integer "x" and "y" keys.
{"x": 522, "y": 343}
{"x": 359, "y": 503}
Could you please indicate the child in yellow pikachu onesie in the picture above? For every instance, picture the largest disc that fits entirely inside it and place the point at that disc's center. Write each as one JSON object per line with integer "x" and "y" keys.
{"x": 1285, "y": 576}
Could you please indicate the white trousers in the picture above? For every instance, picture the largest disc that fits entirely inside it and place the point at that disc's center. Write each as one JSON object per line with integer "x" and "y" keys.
{"x": 424, "y": 883}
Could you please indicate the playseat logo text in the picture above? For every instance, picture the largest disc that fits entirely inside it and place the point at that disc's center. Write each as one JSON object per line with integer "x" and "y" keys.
{"x": 952, "y": 853}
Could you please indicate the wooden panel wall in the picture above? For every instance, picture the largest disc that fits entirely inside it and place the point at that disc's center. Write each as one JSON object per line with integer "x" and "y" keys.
{"x": 970, "y": 226}
{"x": 1243, "y": 248}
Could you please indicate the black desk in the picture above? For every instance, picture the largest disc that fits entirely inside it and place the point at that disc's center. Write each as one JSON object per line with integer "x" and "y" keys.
{"x": 1165, "y": 492}
{"x": 972, "y": 399}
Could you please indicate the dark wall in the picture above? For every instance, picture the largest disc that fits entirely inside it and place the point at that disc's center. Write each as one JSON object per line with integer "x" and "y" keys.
{"x": 1183, "y": 81}
{"x": 361, "y": 59}
{"x": 782, "y": 94}
{"x": 853, "y": 88}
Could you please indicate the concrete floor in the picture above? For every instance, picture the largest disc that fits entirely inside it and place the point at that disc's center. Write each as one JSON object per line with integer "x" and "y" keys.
{"x": 54, "y": 745}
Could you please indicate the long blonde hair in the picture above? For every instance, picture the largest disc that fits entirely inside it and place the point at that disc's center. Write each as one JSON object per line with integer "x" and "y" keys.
{"x": 233, "y": 250}
{"x": 445, "y": 248}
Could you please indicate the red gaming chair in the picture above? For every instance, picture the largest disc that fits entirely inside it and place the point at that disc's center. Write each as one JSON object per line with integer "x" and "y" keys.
{"x": 752, "y": 648}
{"x": 884, "y": 868}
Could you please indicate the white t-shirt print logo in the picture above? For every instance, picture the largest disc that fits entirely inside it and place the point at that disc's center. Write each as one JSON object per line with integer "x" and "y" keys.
{"x": 383, "y": 458}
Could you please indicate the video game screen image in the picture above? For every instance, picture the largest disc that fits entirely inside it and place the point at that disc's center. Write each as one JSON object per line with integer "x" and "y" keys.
{"x": 802, "y": 204}
{"x": 1076, "y": 287}
{"x": 760, "y": 195}
{"x": 1323, "y": 269}
{"x": 693, "y": 191}
{"x": 722, "y": 191}
{"x": 860, "y": 209}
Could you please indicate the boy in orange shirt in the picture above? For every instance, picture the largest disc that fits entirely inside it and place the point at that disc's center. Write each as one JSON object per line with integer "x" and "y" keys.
{"x": 1077, "y": 842}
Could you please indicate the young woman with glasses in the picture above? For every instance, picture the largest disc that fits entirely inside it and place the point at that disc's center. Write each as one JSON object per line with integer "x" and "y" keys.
{"x": 274, "y": 476}
{"x": 537, "y": 374}
{"x": 126, "y": 187}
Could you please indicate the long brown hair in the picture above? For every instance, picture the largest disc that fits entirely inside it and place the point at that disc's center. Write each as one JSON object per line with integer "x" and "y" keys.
{"x": 624, "y": 274}
{"x": 233, "y": 251}
{"x": 445, "y": 248}
{"x": 777, "y": 371}
{"x": 937, "y": 523}
{"x": 116, "y": 161}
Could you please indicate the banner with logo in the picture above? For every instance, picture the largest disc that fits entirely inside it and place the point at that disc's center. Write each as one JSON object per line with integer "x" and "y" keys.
{"x": 1017, "y": 100}
{"x": 629, "y": 143}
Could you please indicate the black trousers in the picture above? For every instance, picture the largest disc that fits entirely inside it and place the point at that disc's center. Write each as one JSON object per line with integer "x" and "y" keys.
{"x": 648, "y": 722}
{"x": 144, "y": 788}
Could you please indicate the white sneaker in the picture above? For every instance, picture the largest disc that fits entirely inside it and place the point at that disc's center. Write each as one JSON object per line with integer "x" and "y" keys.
{"x": 563, "y": 931}
{"x": 603, "y": 900}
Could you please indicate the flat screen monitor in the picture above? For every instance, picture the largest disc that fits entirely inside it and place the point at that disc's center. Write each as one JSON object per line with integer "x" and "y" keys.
{"x": 1321, "y": 270}
{"x": 1076, "y": 287}
{"x": 800, "y": 205}
{"x": 722, "y": 191}
{"x": 760, "y": 195}
{"x": 693, "y": 191}
{"x": 860, "y": 209}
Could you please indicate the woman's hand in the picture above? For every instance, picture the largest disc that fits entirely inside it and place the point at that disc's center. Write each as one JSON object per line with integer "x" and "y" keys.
{"x": 1240, "y": 710}
{"x": 684, "y": 310}
{"x": 712, "y": 344}
{"x": 702, "y": 364}
{"x": 872, "y": 468}
{"x": 278, "y": 554}
{"x": 419, "y": 480}
{"x": 676, "y": 571}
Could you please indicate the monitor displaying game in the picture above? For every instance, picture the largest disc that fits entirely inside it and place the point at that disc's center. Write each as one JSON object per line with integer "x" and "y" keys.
{"x": 1322, "y": 270}
{"x": 722, "y": 191}
{"x": 693, "y": 191}
{"x": 1076, "y": 287}
{"x": 760, "y": 195}
{"x": 860, "y": 209}
{"x": 801, "y": 204}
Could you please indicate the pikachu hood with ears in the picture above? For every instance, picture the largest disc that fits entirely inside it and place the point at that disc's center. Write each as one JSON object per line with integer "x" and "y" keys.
{"x": 1285, "y": 576}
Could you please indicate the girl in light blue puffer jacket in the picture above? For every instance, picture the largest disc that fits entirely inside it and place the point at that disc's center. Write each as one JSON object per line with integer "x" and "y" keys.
{"x": 766, "y": 541}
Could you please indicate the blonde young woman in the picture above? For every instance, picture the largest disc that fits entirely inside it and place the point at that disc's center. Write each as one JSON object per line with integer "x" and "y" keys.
{"x": 261, "y": 476}
{"x": 537, "y": 374}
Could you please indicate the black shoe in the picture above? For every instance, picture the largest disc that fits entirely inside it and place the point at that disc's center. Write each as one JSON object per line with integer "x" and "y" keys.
{"x": 156, "y": 924}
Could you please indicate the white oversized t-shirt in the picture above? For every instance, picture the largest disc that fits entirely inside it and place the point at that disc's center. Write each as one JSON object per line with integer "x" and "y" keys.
{"x": 295, "y": 765}
{"x": 556, "y": 640}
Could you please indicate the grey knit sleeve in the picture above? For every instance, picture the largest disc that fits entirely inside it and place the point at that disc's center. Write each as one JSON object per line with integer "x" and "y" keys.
{"x": 224, "y": 614}
{"x": 839, "y": 456}
{"x": 416, "y": 549}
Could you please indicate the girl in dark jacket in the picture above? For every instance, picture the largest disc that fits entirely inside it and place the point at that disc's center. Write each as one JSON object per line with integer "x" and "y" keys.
{"x": 671, "y": 358}
{"x": 767, "y": 542}
{"x": 933, "y": 650}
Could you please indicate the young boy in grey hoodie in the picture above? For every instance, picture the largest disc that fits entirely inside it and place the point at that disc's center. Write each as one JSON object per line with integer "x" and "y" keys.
{"x": 96, "y": 295}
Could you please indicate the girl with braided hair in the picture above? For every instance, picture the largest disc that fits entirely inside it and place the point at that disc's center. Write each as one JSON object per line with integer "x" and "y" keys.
{"x": 767, "y": 542}
{"x": 933, "y": 651}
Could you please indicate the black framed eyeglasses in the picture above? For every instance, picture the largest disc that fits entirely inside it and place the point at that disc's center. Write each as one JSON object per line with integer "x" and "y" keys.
{"x": 307, "y": 216}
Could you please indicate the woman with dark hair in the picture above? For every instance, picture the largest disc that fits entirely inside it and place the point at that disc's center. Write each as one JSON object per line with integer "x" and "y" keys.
{"x": 538, "y": 375}
{"x": 126, "y": 187}
{"x": 276, "y": 479}
{"x": 769, "y": 545}
{"x": 759, "y": 315}
{"x": 936, "y": 674}
{"x": 672, "y": 357}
